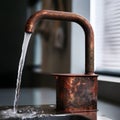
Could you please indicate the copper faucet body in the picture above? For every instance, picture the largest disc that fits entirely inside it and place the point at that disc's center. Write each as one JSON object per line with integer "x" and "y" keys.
{"x": 75, "y": 93}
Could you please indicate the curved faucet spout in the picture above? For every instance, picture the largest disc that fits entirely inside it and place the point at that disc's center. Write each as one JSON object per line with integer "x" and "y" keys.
{"x": 67, "y": 16}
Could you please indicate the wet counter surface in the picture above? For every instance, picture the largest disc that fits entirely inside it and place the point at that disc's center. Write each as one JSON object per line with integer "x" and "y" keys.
{"x": 33, "y": 97}
{"x": 44, "y": 112}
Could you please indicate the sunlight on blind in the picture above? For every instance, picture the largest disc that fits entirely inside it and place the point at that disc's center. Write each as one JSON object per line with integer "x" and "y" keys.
{"x": 108, "y": 50}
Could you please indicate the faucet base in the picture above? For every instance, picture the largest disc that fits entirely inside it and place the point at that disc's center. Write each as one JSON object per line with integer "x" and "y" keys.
{"x": 76, "y": 93}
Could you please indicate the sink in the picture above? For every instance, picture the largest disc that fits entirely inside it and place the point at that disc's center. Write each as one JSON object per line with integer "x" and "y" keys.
{"x": 58, "y": 117}
{"x": 42, "y": 112}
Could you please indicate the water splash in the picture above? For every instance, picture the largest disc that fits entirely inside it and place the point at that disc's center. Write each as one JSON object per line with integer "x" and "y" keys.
{"x": 20, "y": 68}
{"x": 27, "y": 112}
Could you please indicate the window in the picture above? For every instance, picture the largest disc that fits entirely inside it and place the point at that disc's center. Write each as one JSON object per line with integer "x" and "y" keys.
{"x": 105, "y": 18}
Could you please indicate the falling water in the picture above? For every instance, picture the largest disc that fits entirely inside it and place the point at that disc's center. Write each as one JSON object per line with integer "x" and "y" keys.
{"x": 20, "y": 68}
{"x": 24, "y": 112}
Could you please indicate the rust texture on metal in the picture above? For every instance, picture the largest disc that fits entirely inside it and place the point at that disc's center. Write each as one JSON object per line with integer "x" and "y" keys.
{"x": 76, "y": 94}
{"x": 67, "y": 16}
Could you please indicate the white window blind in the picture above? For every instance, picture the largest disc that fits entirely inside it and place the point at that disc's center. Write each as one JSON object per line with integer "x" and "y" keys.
{"x": 107, "y": 37}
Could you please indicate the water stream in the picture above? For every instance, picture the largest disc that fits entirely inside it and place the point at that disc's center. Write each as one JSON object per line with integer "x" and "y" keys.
{"x": 20, "y": 68}
{"x": 23, "y": 112}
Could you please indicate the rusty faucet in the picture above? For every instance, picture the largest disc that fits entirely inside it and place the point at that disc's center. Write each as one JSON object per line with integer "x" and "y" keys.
{"x": 89, "y": 36}
{"x": 75, "y": 93}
